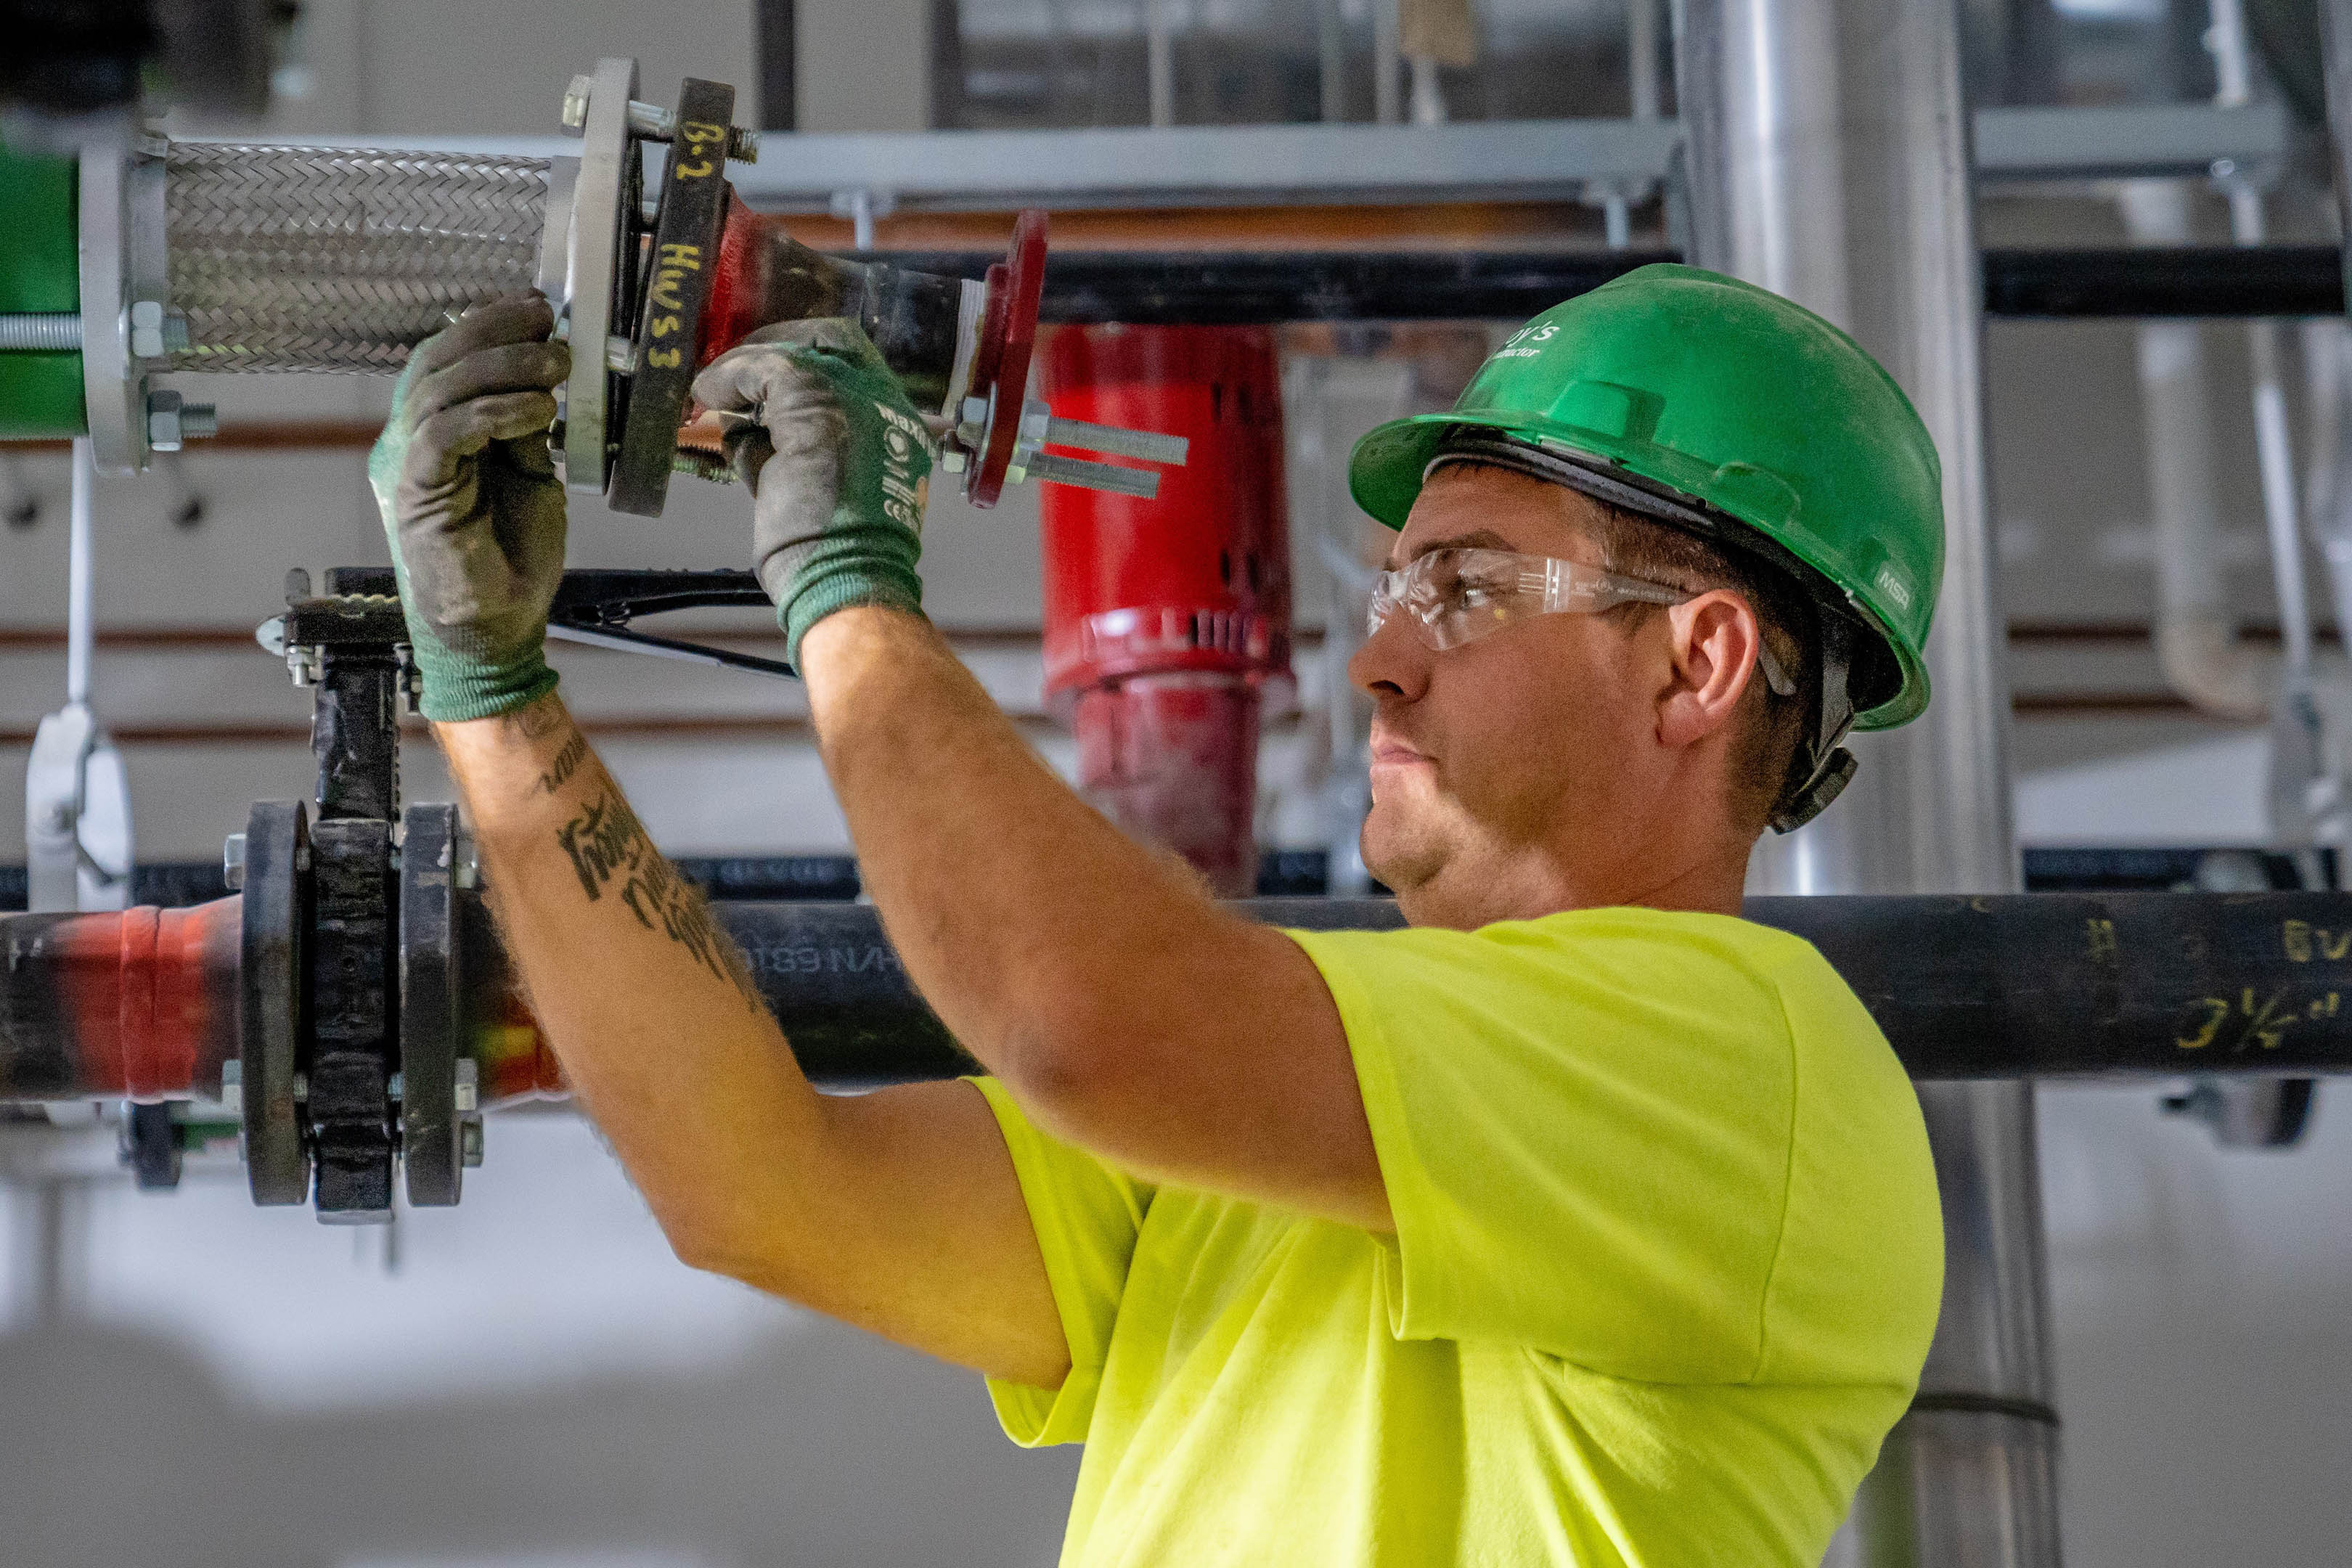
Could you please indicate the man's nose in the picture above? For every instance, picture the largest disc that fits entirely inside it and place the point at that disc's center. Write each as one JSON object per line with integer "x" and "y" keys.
{"x": 1392, "y": 662}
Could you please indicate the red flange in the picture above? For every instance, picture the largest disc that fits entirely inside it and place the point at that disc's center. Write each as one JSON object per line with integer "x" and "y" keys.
{"x": 1000, "y": 363}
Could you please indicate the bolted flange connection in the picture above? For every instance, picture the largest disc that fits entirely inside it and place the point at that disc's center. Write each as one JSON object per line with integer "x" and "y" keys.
{"x": 650, "y": 121}
{"x": 1040, "y": 429}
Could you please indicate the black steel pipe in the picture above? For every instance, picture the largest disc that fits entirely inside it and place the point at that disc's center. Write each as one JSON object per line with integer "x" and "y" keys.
{"x": 2034, "y": 985}
{"x": 1263, "y": 288}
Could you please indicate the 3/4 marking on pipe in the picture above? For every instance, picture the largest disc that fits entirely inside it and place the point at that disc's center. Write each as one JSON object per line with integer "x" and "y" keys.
{"x": 2238, "y": 1025}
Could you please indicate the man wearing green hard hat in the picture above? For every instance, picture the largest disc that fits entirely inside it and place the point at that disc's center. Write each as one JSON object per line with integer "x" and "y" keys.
{"x": 1580, "y": 1222}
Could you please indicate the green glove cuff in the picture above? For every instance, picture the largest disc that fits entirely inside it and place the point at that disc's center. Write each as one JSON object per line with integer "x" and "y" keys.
{"x": 457, "y": 689}
{"x": 864, "y": 582}
{"x": 868, "y": 552}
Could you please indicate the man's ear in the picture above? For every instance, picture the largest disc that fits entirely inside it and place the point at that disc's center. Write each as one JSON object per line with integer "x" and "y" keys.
{"x": 1713, "y": 641}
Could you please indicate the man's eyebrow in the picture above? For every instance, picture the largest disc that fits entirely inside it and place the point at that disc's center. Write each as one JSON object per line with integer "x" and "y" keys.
{"x": 1480, "y": 538}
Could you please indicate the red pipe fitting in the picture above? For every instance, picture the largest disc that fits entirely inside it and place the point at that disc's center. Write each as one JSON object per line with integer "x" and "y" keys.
{"x": 1166, "y": 618}
{"x": 144, "y": 1001}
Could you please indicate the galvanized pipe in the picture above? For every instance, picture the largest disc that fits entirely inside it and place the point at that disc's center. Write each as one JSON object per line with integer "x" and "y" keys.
{"x": 1830, "y": 163}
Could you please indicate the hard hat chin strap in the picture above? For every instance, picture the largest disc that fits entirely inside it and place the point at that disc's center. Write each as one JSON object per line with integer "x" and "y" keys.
{"x": 1831, "y": 765}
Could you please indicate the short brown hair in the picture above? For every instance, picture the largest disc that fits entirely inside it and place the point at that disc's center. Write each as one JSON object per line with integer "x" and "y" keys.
{"x": 1775, "y": 727}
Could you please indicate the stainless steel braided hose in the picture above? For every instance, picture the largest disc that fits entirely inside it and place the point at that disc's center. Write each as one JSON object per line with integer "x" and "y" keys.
{"x": 315, "y": 258}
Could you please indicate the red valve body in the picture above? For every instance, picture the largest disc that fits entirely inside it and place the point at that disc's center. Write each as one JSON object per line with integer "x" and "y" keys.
{"x": 1165, "y": 618}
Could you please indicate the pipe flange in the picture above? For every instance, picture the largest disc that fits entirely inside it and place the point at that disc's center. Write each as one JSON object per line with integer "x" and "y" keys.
{"x": 269, "y": 999}
{"x": 685, "y": 265}
{"x": 432, "y": 855}
{"x": 1001, "y": 363}
{"x": 603, "y": 208}
{"x": 114, "y": 397}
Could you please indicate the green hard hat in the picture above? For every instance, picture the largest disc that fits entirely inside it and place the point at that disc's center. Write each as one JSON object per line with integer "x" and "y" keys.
{"x": 1740, "y": 405}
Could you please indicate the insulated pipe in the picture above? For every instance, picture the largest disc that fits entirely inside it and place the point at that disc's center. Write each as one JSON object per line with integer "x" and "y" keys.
{"x": 2196, "y": 635}
{"x": 143, "y": 1004}
{"x": 1830, "y": 163}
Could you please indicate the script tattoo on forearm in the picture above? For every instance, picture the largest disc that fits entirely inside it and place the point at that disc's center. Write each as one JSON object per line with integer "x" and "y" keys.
{"x": 567, "y": 762}
{"x": 534, "y": 719}
{"x": 609, "y": 848}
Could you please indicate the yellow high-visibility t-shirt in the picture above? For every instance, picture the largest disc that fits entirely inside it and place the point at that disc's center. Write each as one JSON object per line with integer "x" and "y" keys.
{"x": 1667, "y": 1258}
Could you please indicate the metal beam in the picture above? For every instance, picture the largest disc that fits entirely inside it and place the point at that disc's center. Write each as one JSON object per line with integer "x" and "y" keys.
{"x": 1350, "y": 164}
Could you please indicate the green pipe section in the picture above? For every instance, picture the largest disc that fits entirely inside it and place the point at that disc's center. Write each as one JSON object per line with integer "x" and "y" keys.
{"x": 40, "y": 394}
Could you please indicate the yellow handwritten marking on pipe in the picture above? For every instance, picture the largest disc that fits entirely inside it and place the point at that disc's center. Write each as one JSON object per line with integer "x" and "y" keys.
{"x": 2217, "y": 1010}
{"x": 2102, "y": 933}
{"x": 2267, "y": 1029}
{"x": 2264, "y": 1025}
{"x": 675, "y": 253}
{"x": 2304, "y": 942}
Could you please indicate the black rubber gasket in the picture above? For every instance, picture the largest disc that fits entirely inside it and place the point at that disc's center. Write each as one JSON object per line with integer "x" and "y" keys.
{"x": 269, "y": 999}
{"x": 432, "y": 1161}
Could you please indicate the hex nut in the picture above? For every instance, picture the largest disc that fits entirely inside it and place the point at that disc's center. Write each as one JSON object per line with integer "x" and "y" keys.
{"x": 233, "y": 861}
{"x": 147, "y": 329}
{"x": 575, "y": 103}
{"x": 164, "y": 426}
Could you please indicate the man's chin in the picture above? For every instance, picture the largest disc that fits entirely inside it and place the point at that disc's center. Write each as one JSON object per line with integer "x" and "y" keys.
{"x": 1400, "y": 859}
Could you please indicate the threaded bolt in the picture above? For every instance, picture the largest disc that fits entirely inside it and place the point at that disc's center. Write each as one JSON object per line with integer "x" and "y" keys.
{"x": 41, "y": 331}
{"x": 702, "y": 465}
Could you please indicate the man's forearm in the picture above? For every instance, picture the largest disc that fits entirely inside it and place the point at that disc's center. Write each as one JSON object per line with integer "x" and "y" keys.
{"x": 644, "y": 998}
{"x": 897, "y": 1211}
{"x": 1123, "y": 1009}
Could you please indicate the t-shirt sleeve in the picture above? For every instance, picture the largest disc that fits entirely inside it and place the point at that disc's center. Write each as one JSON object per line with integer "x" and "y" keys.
{"x": 1585, "y": 1132}
{"x": 1087, "y": 1216}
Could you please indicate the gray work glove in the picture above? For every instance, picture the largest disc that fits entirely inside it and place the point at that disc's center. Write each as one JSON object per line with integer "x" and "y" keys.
{"x": 838, "y": 463}
{"x": 472, "y": 507}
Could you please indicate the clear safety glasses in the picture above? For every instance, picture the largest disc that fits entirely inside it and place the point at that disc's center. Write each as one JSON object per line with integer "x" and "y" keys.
{"x": 1456, "y": 596}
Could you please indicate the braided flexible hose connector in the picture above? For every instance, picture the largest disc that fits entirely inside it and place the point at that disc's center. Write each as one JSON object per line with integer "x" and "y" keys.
{"x": 322, "y": 259}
